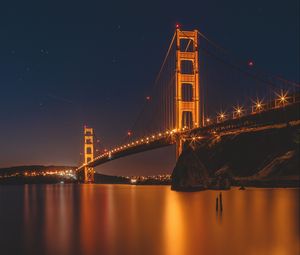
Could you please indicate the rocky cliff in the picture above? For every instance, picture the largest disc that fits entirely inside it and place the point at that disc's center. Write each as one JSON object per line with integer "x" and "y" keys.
{"x": 253, "y": 157}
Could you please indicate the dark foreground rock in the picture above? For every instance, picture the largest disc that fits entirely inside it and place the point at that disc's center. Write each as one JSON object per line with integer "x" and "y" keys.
{"x": 261, "y": 158}
{"x": 189, "y": 173}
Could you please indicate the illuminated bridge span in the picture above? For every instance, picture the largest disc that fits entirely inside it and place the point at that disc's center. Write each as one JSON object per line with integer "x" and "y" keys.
{"x": 191, "y": 100}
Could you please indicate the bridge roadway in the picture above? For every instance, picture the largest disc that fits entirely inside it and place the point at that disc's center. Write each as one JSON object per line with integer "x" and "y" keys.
{"x": 275, "y": 116}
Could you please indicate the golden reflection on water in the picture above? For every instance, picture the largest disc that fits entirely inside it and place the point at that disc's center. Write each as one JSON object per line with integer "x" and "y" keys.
{"x": 124, "y": 219}
{"x": 174, "y": 231}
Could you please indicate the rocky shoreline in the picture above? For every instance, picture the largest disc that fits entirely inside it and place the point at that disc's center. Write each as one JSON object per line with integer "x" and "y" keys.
{"x": 257, "y": 158}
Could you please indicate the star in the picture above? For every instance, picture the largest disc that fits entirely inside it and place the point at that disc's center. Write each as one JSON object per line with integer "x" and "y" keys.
{"x": 44, "y": 52}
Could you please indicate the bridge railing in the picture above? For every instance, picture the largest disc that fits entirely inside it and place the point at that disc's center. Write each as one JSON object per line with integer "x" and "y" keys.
{"x": 282, "y": 99}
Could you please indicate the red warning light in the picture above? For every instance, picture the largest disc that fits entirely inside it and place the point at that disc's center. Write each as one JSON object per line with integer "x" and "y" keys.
{"x": 177, "y": 26}
{"x": 250, "y": 63}
{"x": 129, "y": 133}
{"x": 148, "y": 98}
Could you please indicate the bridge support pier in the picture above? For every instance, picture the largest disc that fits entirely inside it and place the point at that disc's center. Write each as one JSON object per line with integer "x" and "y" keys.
{"x": 88, "y": 154}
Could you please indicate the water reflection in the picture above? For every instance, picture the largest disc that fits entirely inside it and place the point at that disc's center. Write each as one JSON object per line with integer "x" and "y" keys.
{"x": 120, "y": 219}
{"x": 174, "y": 232}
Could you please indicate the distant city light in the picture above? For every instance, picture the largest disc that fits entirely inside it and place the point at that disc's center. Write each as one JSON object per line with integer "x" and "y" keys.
{"x": 133, "y": 181}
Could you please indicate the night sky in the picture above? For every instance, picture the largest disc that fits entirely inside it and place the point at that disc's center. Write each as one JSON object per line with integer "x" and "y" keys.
{"x": 66, "y": 64}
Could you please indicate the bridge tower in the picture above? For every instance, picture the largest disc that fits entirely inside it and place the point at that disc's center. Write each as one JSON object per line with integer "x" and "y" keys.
{"x": 187, "y": 109}
{"x": 88, "y": 154}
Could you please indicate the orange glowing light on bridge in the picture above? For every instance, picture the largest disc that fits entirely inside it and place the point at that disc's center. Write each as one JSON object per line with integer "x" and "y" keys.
{"x": 257, "y": 106}
{"x": 238, "y": 111}
{"x": 282, "y": 98}
{"x": 221, "y": 116}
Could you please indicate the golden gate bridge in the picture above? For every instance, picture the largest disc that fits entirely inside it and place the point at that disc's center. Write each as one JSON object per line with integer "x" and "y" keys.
{"x": 188, "y": 101}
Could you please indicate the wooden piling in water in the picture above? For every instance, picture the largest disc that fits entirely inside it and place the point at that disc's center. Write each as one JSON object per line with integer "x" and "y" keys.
{"x": 221, "y": 202}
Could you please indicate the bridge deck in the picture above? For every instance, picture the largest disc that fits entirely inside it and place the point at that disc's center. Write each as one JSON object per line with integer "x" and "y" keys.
{"x": 271, "y": 117}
